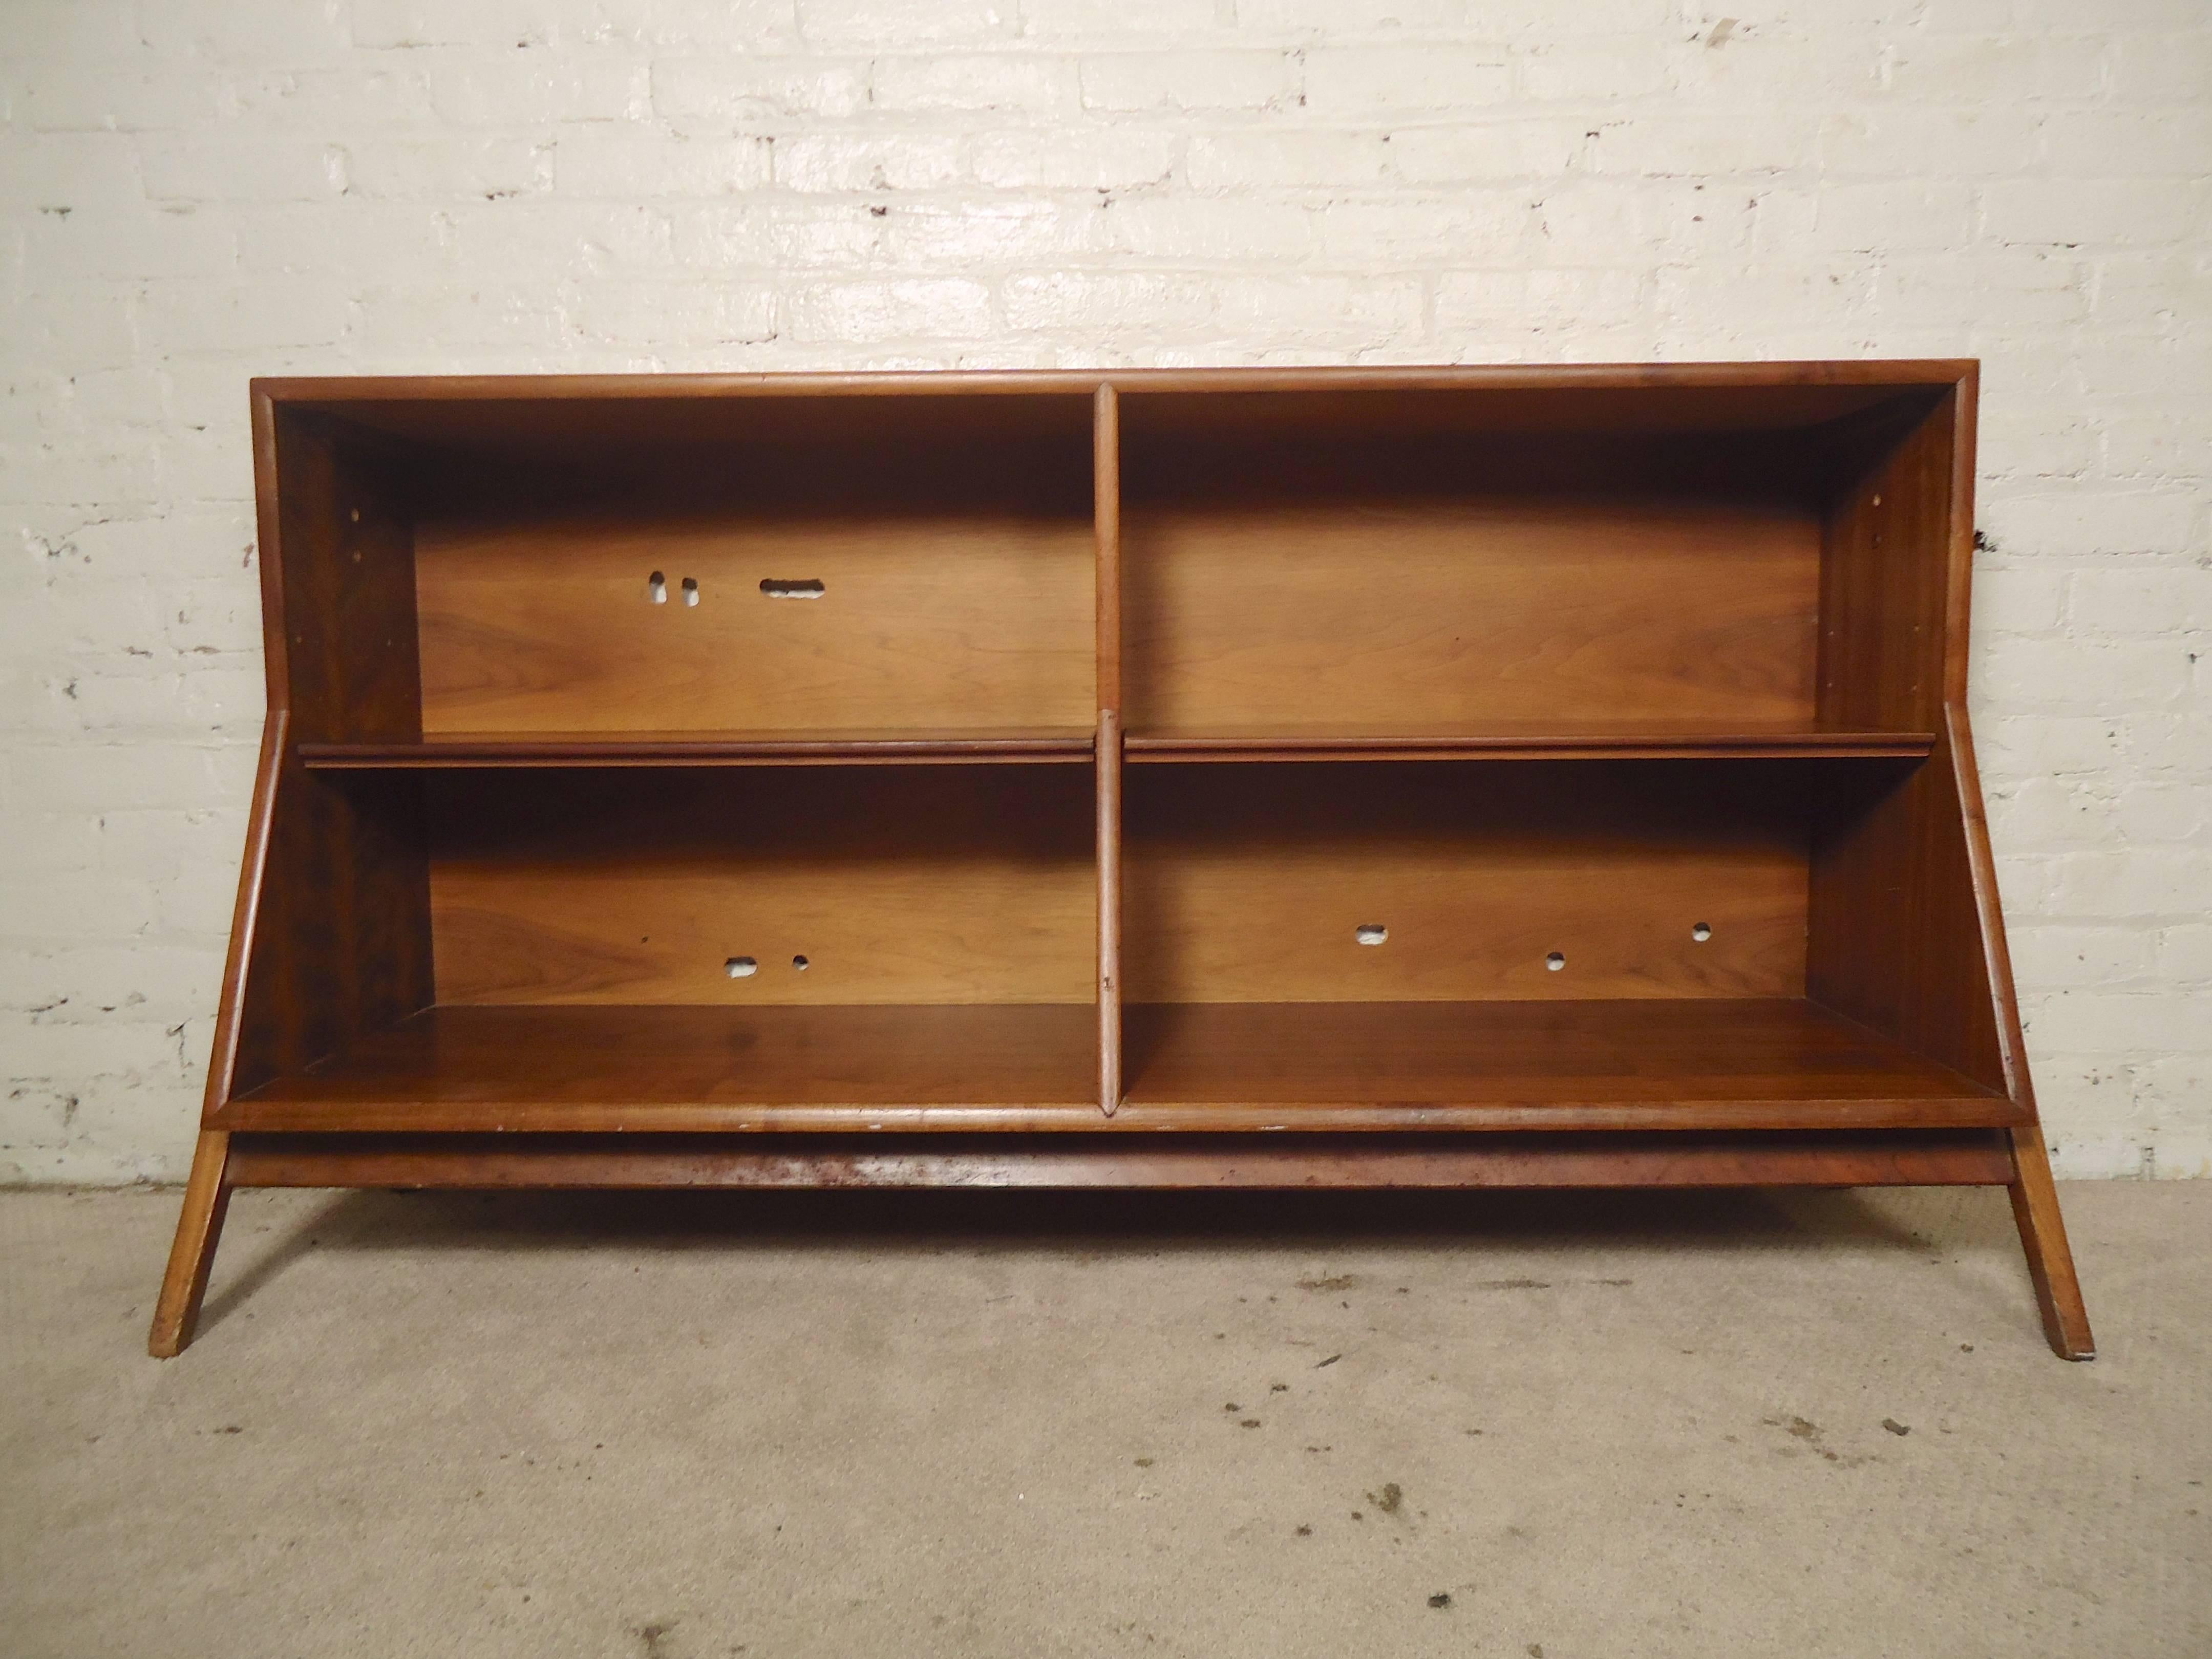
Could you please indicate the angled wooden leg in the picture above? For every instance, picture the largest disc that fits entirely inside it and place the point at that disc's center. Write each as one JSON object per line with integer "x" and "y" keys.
{"x": 207, "y": 1195}
{"x": 2042, "y": 1236}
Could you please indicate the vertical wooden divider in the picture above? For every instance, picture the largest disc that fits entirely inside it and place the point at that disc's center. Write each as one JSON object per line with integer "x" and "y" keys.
{"x": 1106, "y": 468}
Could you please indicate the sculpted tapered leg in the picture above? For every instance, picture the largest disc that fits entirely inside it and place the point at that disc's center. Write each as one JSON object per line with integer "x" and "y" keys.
{"x": 2042, "y": 1236}
{"x": 207, "y": 1195}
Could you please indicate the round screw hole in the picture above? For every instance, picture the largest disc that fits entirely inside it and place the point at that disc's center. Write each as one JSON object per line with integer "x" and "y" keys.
{"x": 691, "y": 590}
{"x": 741, "y": 967}
{"x": 656, "y": 586}
{"x": 1555, "y": 962}
{"x": 1371, "y": 933}
{"x": 799, "y": 963}
{"x": 1700, "y": 932}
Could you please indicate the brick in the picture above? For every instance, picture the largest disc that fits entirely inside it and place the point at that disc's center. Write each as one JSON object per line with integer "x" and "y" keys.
{"x": 206, "y": 168}
{"x": 1473, "y": 301}
{"x": 423, "y": 328}
{"x": 2087, "y": 521}
{"x": 2083, "y": 674}
{"x": 2169, "y": 601}
{"x": 446, "y": 167}
{"x": 246, "y": 30}
{"x": 793, "y": 236}
{"x": 508, "y": 24}
{"x": 63, "y": 172}
{"x": 2068, "y": 957}
{"x": 309, "y": 102}
{"x": 556, "y": 238}
{"x": 844, "y": 162}
{"x": 675, "y": 313}
{"x": 1289, "y": 158}
{"x": 1111, "y": 18}
{"x": 1076, "y": 159}
{"x": 132, "y": 240}
{"x": 1972, "y": 69}
{"x": 1189, "y": 79}
{"x": 2184, "y": 953}
{"x": 2087, "y": 1021}
{"x": 870, "y": 23}
{"x": 1465, "y": 226}
{"x": 1609, "y": 70}
{"x": 44, "y": 1047}
{"x": 1896, "y": 141}
{"x": 2161, "y": 67}
{"x": 1358, "y": 82}
{"x": 79, "y": 32}
{"x": 1365, "y": 310}
{"x": 1916, "y": 215}
{"x": 528, "y": 89}
{"x": 2045, "y": 812}
{"x": 713, "y": 94}
{"x": 120, "y": 99}
{"x": 936, "y": 307}
{"x": 624, "y": 163}
{"x": 2016, "y": 601}
{"x": 1156, "y": 301}
{"x": 2151, "y": 811}
{"x": 224, "y": 316}
{"x": 1539, "y": 150}
{"x": 2141, "y": 882}
{"x": 956, "y": 237}
{"x": 1229, "y": 232}
{"x": 1340, "y": 18}
{"x": 978, "y": 81}
{"x": 2071, "y": 212}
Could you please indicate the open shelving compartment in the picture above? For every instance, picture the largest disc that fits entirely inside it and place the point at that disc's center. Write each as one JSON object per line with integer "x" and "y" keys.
{"x": 1421, "y": 777}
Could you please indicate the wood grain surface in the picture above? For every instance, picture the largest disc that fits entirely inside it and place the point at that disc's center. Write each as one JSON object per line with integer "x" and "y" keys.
{"x": 1187, "y": 1161}
{"x": 941, "y": 885}
{"x": 1704, "y": 1064}
{"x": 1248, "y": 884}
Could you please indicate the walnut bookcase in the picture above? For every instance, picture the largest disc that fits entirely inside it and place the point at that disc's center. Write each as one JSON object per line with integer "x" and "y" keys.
{"x": 1430, "y": 777}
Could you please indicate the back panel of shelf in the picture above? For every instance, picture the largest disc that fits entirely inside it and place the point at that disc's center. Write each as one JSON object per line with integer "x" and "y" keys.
{"x": 830, "y": 885}
{"x": 768, "y": 567}
{"x": 1420, "y": 565}
{"x": 1397, "y": 882}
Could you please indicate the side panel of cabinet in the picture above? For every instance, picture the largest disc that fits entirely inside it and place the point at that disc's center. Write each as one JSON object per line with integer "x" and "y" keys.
{"x": 332, "y": 937}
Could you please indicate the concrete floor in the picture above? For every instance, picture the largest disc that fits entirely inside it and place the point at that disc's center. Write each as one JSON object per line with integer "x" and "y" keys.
{"x": 914, "y": 1425}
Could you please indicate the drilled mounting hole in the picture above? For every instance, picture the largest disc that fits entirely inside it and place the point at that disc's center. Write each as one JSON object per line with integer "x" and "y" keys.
{"x": 1371, "y": 933}
{"x": 656, "y": 587}
{"x": 1700, "y": 932}
{"x": 1555, "y": 962}
{"x": 791, "y": 587}
{"x": 799, "y": 963}
{"x": 741, "y": 967}
{"x": 691, "y": 590}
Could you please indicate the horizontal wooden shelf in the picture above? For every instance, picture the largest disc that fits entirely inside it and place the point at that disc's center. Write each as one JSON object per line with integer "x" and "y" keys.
{"x": 1059, "y": 743}
{"x": 1701, "y": 1064}
{"x": 1072, "y": 745}
{"x": 1524, "y": 742}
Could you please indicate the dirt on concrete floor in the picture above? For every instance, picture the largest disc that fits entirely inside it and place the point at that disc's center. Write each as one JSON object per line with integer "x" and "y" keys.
{"x": 670, "y": 1426}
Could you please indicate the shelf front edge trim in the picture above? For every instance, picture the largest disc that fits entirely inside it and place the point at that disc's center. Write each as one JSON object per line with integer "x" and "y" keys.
{"x": 524, "y": 1117}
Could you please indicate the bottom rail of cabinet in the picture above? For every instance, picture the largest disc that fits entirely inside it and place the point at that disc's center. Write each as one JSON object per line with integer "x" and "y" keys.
{"x": 1747, "y": 1158}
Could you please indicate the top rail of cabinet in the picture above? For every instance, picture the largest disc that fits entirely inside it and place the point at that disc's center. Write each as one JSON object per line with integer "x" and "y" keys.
{"x": 1659, "y": 397}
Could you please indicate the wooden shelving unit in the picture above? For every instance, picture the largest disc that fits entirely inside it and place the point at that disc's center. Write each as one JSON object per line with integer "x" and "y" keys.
{"x": 1045, "y": 779}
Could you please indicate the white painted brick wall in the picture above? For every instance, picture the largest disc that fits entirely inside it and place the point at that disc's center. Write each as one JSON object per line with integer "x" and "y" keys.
{"x": 193, "y": 191}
